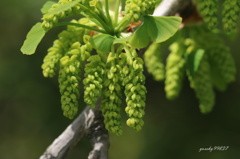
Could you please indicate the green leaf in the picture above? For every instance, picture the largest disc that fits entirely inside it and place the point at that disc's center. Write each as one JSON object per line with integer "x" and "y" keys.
{"x": 156, "y": 29}
{"x": 47, "y": 6}
{"x": 121, "y": 40}
{"x": 194, "y": 60}
{"x": 102, "y": 42}
{"x": 62, "y": 8}
{"x": 33, "y": 38}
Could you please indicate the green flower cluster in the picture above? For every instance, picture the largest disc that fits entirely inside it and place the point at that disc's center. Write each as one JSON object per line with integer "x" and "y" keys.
{"x": 135, "y": 91}
{"x": 231, "y": 13}
{"x": 175, "y": 69}
{"x": 153, "y": 61}
{"x": 221, "y": 58}
{"x": 67, "y": 53}
{"x": 223, "y": 67}
{"x": 217, "y": 68}
{"x": 135, "y": 9}
{"x": 69, "y": 80}
{"x": 93, "y": 81}
{"x": 111, "y": 96}
{"x": 53, "y": 14}
{"x": 60, "y": 46}
{"x": 202, "y": 84}
{"x": 208, "y": 9}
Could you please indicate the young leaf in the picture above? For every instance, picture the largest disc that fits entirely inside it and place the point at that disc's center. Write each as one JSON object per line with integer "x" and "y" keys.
{"x": 156, "y": 29}
{"x": 102, "y": 42}
{"x": 47, "y": 6}
{"x": 194, "y": 60}
{"x": 33, "y": 38}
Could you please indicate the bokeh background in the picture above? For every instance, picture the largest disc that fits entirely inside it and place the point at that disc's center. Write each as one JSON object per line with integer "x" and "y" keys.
{"x": 31, "y": 116}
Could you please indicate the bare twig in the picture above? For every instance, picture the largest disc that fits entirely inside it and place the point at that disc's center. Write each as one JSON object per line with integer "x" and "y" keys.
{"x": 90, "y": 121}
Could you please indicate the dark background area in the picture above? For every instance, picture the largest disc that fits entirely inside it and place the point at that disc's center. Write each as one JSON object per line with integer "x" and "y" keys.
{"x": 31, "y": 116}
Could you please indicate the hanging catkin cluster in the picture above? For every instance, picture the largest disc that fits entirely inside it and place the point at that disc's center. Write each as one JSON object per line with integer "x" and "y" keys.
{"x": 153, "y": 61}
{"x": 135, "y": 91}
{"x": 202, "y": 84}
{"x": 67, "y": 53}
{"x": 175, "y": 69}
{"x": 208, "y": 9}
{"x": 135, "y": 9}
{"x": 60, "y": 46}
{"x": 231, "y": 14}
{"x": 208, "y": 63}
{"x": 53, "y": 15}
{"x": 223, "y": 69}
{"x": 111, "y": 96}
{"x": 69, "y": 80}
{"x": 93, "y": 82}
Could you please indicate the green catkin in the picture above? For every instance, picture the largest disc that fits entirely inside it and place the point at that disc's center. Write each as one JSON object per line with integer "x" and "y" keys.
{"x": 69, "y": 80}
{"x": 175, "y": 70}
{"x": 209, "y": 10}
{"x": 60, "y": 46}
{"x": 50, "y": 62}
{"x": 136, "y": 9}
{"x": 218, "y": 53}
{"x": 111, "y": 97}
{"x": 69, "y": 77}
{"x": 135, "y": 91}
{"x": 93, "y": 82}
{"x": 50, "y": 19}
{"x": 153, "y": 61}
{"x": 202, "y": 85}
{"x": 231, "y": 13}
{"x": 221, "y": 58}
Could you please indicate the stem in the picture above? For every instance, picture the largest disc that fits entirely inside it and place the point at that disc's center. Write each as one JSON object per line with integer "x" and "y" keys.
{"x": 123, "y": 23}
{"x": 95, "y": 16}
{"x": 107, "y": 10}
{"x": 80, "y": 25}
{"x": 116, "y": 12}
{"x": 102, "y": 14}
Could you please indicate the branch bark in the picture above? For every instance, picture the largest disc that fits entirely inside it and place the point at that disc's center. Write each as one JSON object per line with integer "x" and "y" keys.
{"x": 171, "y": 7}
{"x": 90, "y": 122}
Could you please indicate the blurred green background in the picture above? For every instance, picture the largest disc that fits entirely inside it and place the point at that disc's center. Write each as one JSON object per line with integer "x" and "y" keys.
{"x": 31, "y": 116}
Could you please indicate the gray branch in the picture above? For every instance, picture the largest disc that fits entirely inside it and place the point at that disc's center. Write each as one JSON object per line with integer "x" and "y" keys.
{"x": 171, "y": 7}
{"x": 90, "y": 122}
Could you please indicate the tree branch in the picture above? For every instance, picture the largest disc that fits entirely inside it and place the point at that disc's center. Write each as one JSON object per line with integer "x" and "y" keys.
{"x": 90, "y": 122}
{"x": 171, "y": 7}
